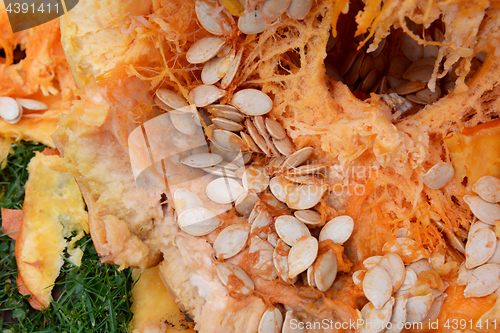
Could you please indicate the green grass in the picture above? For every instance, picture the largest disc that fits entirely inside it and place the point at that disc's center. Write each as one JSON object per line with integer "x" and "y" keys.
{"x": 94, "y": 297}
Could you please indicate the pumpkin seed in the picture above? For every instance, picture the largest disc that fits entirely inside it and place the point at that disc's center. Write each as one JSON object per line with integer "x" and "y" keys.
{"x": 284, "y": 146}
{"x": 227, "y": 124}
{"x": 205, "y": 94}
{"x": 348, "y": 62}
{"x": 414, "y": 99}
{"x": 210, "y": 20}
{"x": 245, "y": 202}
{"x": 397, "y": 67}
{"x": 298, "y": 9}
{"x": 495, "y": 258}
{"x": 252, "y": 102}
{"x": 371, "y": 262}
{"x": 488, "y": 188}
{"x": 418, "y": 307}
{"x": 291, "y": 320}
{"x": 394, "y": 265}
{"x": 420, "y": 266}
{"x": 366, "y": 67}
{"x": 376, "y": 320}
{"x": 204, "y": 49}
{"x": 203, "y": 160}
{"x": 370, "y": 79}
{"x": 184, "y": 122}
{"x": 257, "y": 138}
{"x": 309, "y": 217}
{"x": 310, "y": 277}
{"x": 256, "y": 179}
{"x": 279, "y": 187}
{"x": 463, "y": 275}
{"x": 225, "y": 111}
{"x": 439, "y": 175}
{"x": 428, "y": 96}
{"x": 260, "y": 125}
{"x": 398, "y": 317}
{"x": 198, "y": 221}
{"x": 214, "y": 70}
{"x": 252, "y": 22}
{"x": 290, "y": 229}
{"x": 338, "y": 229}
{"x": 261, "y": 220}
{"x": 233, "y": 69}
{"x": 224, "y": 190}
{"x": 409, "y": 87}
{"x": 452, "y": 238}
{"x": 281, "y": 261}
{"x": 302, "y": 255}
{"x": 352, "y": 75}
{"x": 296, "y": 159}
{"x": 273, "y": 238}
{"x": 304, "y": 196}
{"x": 249, "y": 142}
{"x": 263, "y": 265}
{"x": 484, "y": 211}
{"x": 218, "y": 171}
{"x": 325, "y": 270}
{"x": 10, "y": 109}
{"x": 480, "y": 248}
{"x": 231, "y": 240}
{"x": 377, "y": 286}
{"x": 483, "y": 281}
{"x": 430, "y": 51}
{"x": 184, "y": 199}
{"x": 225, "y": 270}
{"x": 32, "y": 104}
{"x": 272, "y": 9}
{"x": 271, "y": 321}
{"x": 227, "y": 141}
{"x": 410, "y": 281}
{"x": 411, "y": 49}
{"x": 358, "y": 276}
{"x": 418, "y": 74}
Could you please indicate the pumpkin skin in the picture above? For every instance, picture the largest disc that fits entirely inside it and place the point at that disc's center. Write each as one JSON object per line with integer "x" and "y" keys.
{"x": 108, "y": 50}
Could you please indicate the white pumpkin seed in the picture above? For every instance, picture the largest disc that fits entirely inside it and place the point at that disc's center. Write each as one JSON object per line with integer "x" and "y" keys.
{"x": 279, "y": 187}
{"x": 225, "y": 270}
{"x": 228, "y": 165}
{"x": 261, "y": 221}
{"x": 205, "y": 94}
{"x": 488, "y": 188}
{"x": 418, "y": 307}
{"x": 252, "y": 23}
{"x": 224, "y": 190}
{"x": 377, "y": 286}
{"x": 309, "y": 217}
{"x": 233, "y": 69}
{"x": 32, "y": 104}
{"x": 338, "y": 229}
{"x": 227, "y": 124}
{"x": 256, "y": 179}
{"x": 371, "y": 262}
{"x": 483, "y": 281}
{"x": 213, "y": 70}
{"x": 480, "y": 248}
{"x": 305, "y": 196}
{"x": 292, "y": 321}
{"x": 218, "y": 171}
{"x": 198, "y": 221}
{"x": 290, "y": 229}
{"x": 310, "y": 277}
{"x": 10, "y": 109}
{"x": 264, "y": 265}
{"x": 275, "y": 129}
{"x": 420, "y": 266}
{"x": 210, "y": 20}
{"x": 439, "y": 175}
{"x": 252, "y": 102}
{"x": 408, "y": 284}
{"x": 299, "y": 9}
{"x": 281, "y": 261}
{"x": 398, "y": 317}
{"x": 495, "y": 259}
{"x": 484, "y": 211}
{"x": 171, "y": 99}
{"x": 225, "y": 111}
{"x": 228, "y": 141}
{"x": 183, "y": 122}
{"x": 257, "y": 138}
{"x": 296, "y": 159}
{"x": 376, "y": 320}
{"x": 273, "y": 238}
{"x": 358, "y": 276}
{"x": 394, "y": 265}
{"x": 260, "y": 125}
{"x": 302, "y": 255}
{"x": 231, "y": 240}
{"x": 271, "y": 321}
{"x": 272, "y": 9}
{"x": 204, "y": 49}
{"x": 203, "y": 160}
{"x": 284, "y": 146}
{"x": 246, "y": 202}
{"x": 250, "y": 143}
{"x": 325, "y": 270}
{"x": 184, "y": 199}
{"x": 478, "y": 225}
{"x": 463, "y": 275}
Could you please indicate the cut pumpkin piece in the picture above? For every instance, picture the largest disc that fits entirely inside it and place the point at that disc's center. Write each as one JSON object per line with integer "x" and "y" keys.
{"x": 153, "y": 307}
{"x": 53, "y": 209}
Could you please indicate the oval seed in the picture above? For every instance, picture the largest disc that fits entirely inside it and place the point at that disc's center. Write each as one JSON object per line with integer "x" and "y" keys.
{"x": 394, "y": 265}
{"x": 219, "y": 171}
{"x": 366, "y": 67}
{"x": 204, "y": 49}
{"x": 291, "y": 320}
{"x": 297, "y": 158}
{"x": 210, "y": 20}
{"x": 398, "y": 317}
{"x": 309, "y": 217}
{"x": 231, "y": 240}
{"x": 410, "y": 281}
{"x": 252, "y": 22}
{"x": 298, "y": 9}
{"x": 377, "y": 286}
{"x": 371, "y": 261}
{"x": 256, "y": 179}
{"x": 290, "y": 229}
{"x": 488, "y": 188}
{"x": 325, "y": 270}
{"x": 480, "y": 248}
{"x": 249, "y": 142}
{"x": 257, "y": 138}
{"x": 418, "y": 307}
{"x": 261, "y": 221}
{"x": 279, "y": 187}
{"x": 225, "y": 270}
{"x": 302, "y": 255}
{"x": 375, "y": 320}
{"x": 227, "y": 141}
{"x": 225, "y": 111}
{"x": 246, "y": 202}
{"x": 304, "y": 196}
{"x": 271, "y": 321}
{"x": 263, "y": 265}
{"x": 198, "y": 221}
{"x": 203, "y": 160}
{"x": 409, "y": 87}
{"x": 418, "y": 74}
{"x": 275, "y": 129}
{"x": 10, "y": 109}
{"x": 183, "y": 122}
{"x": 411, "y": 49}
{"x": 227, "y": 124}
{"x": 171, "y": 99}
{"x": 259, "y": 123}
{"x": 397, "y": 67}
{"x": 463, "y": 275}
{"x": 284, "y": 146}
{"x": 184, "y": 199}
{"x": 224, "y": 190}
{"x": 338, "y": 229}
{"x": 358, "y": 276}
{"x": 205, "y": 94}
{"x": 210, "y": 73}
{"x": 233, "y": 69}
{"x": 272, "y": 9}
{"x": 252, "y": 102}
{"x": 310, "y": 277}
{"x": 281, "y": 261}
{"x": 428, "y": 96}
{"x": 484, "y": 211}
{"x": 439, "y": 175}
{"x": 483, "y": 281}
{"x": 420, "y": 266}
{"x": 32, "y": 104}
{"x": 273, "y": 238}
